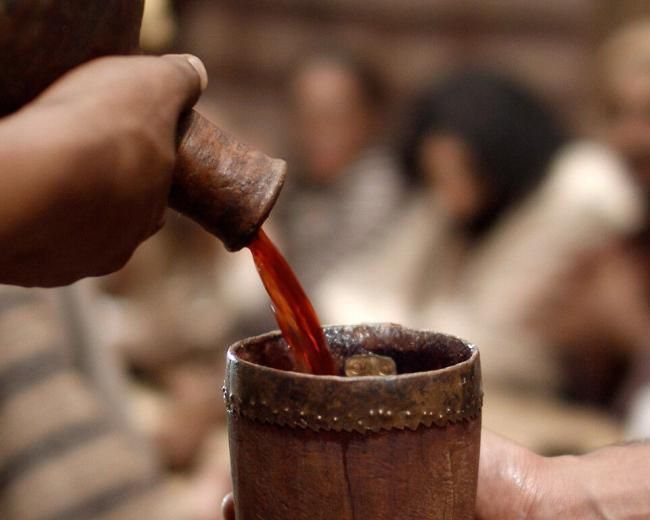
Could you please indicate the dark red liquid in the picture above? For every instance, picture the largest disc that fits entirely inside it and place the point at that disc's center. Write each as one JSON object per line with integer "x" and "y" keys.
{"x": 294, "y": 312}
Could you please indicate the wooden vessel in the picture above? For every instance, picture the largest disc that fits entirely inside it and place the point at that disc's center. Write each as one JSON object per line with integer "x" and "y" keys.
{"x": 307, "y": 447}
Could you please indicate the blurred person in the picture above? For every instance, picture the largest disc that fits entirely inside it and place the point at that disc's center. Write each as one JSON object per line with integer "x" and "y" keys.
{"x": 625, "y": 85}
{"x": 346, "y": 185}
{"x": 65, "y": 453}
{"x": 626, "y": 88}
{"x": 605, "y": 306}
{"x": 508, "y": 204}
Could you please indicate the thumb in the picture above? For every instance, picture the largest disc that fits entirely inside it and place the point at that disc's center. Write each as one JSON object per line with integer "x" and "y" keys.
{"x": 508, "y": 479}
{"x": 195, "y": 74}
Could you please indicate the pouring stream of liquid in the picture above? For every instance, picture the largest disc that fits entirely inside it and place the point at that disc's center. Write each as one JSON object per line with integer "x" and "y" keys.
{"x": 293, "y": 311}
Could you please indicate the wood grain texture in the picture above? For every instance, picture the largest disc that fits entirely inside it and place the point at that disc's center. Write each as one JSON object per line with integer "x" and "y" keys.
{"x": 297, "y": 454}
{"x": 224, "y": 185}
{"x": 284, "y": 473}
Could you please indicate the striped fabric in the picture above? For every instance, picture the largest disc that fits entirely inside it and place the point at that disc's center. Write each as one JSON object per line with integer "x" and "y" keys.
{"x": 61, "y": 456}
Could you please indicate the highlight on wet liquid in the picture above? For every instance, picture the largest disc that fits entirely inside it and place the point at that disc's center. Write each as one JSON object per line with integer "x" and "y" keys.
{"x": 293, "y": 310}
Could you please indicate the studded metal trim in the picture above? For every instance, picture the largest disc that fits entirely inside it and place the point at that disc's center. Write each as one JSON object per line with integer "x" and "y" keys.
{"x": 361, "y": 404}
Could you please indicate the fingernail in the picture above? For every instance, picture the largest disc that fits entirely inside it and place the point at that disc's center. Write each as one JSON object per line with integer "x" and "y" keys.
{"x": 200, "y": 69}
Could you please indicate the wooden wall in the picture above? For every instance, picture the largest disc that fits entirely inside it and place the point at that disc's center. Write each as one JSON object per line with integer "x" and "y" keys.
{"x": 249, "y": 45}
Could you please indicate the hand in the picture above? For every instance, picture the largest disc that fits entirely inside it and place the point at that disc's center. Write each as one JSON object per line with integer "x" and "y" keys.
{"x": 509, "y": 480}
{"x": 613, "y": 482}
{"x": 86, "y": 168}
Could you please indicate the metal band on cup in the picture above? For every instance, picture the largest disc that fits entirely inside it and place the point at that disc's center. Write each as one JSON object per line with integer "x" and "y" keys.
{"x": 369, "y": 403}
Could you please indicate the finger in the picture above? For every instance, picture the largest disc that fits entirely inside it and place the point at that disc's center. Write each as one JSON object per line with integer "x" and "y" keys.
{"x": 178, "y": 78}
{"x": 228, "y": 507}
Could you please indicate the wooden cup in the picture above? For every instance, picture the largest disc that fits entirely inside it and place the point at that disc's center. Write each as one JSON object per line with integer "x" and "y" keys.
{"x": 307, "y": 447}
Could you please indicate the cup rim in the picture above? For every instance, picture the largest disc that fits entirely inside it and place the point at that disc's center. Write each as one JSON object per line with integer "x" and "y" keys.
{"x": 409, "y": 400}
{"x": 276, "y": 334}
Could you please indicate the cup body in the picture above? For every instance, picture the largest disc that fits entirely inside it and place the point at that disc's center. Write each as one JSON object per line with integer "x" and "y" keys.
{"x": 349, "y": 448}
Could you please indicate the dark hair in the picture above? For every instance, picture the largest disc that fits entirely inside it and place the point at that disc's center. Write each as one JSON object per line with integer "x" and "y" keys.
{"x": 370, "y": 81}
{"x": 510, "y": 133}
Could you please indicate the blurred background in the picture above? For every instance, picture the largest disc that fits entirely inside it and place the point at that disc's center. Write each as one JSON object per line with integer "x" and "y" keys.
{"x": 249, "y": 46}
{"x": 480, "y": 168}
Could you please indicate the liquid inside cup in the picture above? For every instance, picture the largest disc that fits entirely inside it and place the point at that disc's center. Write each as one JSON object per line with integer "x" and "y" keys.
{"x": 411, "y": 350}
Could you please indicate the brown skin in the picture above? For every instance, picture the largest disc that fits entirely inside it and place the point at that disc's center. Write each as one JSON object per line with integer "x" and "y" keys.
{"x": 332, "y": 119}
{"x": 515, "y": 483}
{"x": 86, "y": 168}
{"x": 609, "y": 483}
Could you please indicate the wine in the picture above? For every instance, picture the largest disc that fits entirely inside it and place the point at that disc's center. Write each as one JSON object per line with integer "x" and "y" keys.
{"x": 293, "y": 311}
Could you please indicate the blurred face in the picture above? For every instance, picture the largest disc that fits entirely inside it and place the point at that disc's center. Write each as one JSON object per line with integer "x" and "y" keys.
{"x": 630, "y": 122}
{"x": 331, "y": 119}
{"x": 450, "y": 169}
